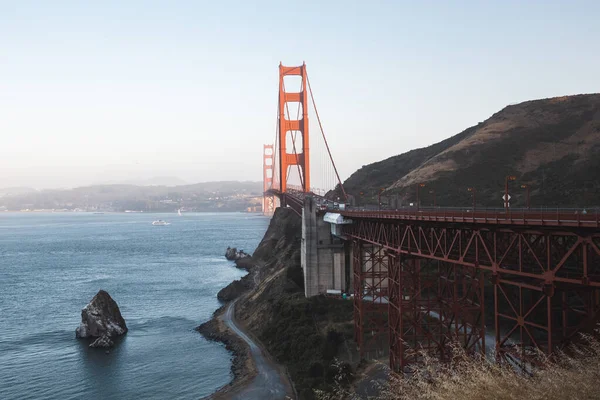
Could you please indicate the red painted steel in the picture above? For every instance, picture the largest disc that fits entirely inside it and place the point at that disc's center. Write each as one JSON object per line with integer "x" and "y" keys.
{"x": 268, "y": 203}
{"x": 370, "y": 273}
{"x": 545, "y": 281}
{"x": 293, "y": 199}
{"x": 431, "y": 306}
{"x": 286, "y": 127}
{"x": 521, "y": 217}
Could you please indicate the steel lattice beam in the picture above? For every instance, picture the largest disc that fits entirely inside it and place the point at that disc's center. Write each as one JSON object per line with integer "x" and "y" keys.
{"x": 546, "y": 285}
{"x": 370, "y": 270}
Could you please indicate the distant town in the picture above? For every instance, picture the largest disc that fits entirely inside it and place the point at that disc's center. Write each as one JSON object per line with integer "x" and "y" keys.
{"x": 225, "y": 196}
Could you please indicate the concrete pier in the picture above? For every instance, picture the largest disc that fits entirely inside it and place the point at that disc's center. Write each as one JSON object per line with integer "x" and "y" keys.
{"x": 325, "y": 259}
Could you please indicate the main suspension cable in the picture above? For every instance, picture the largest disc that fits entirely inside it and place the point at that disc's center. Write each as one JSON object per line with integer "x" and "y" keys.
{"x": 325, "y": 139}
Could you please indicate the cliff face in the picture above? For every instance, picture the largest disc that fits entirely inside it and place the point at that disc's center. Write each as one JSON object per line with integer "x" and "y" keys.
{"x": 553, "y": 145}
{"x": 278, "y": 270}
{"x": 304, "y": 335}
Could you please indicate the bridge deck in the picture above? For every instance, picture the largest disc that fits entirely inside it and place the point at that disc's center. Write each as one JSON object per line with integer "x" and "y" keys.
{"x": 548, "y": 218}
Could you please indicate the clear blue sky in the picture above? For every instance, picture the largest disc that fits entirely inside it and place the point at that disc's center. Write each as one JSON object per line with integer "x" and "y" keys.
{"x": 115, "y": 90}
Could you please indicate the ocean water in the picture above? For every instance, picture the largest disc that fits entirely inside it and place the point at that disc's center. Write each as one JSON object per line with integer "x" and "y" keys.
{"x": 164, "y": 279}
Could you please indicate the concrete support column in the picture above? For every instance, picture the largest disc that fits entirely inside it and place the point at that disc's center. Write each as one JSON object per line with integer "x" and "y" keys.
{"x": 323, "y": 255}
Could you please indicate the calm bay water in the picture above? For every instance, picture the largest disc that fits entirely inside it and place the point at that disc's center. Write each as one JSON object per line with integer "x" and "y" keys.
{"x": 164, "y": 278}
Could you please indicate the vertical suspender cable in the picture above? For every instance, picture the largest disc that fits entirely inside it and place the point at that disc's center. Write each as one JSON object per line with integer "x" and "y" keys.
{"x": 325, "y": 139}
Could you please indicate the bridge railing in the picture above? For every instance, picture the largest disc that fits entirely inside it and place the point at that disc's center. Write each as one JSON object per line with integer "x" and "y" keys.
{"x": 543, "y": 216}
{"x": 539, "y": 216}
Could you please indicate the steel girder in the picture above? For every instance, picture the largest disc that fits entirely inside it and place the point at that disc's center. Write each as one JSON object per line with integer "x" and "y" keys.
{"x": 433, "y": 305}
{"x": 370, "y": 269}
{"x": 545, "y": 285}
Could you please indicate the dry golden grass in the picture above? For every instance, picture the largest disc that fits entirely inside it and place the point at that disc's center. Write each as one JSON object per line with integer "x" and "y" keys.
{"x": 573, "y": 376}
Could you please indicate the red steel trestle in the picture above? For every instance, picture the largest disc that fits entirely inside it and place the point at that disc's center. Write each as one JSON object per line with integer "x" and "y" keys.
{"x": 542, "y": 285}
{"x": 370, "y": 273}
{"x": 433, "y": 305}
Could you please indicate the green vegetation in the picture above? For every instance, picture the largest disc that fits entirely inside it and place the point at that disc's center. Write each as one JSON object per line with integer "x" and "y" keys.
{"x": 306, "y": 335}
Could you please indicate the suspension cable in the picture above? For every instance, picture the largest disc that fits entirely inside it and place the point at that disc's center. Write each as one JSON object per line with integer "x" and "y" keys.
{"x": 325, "y": 139}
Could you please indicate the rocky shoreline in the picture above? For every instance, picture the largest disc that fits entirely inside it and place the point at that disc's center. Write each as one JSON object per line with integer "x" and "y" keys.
{"x": 242, "y": 365}
{"x": 274, "y": 283}
{"x": 238, "y": 287}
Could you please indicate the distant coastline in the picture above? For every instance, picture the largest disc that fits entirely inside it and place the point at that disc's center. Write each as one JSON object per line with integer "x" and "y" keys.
{"x": 124, "y": 212}
{"x": 224, "y": 196}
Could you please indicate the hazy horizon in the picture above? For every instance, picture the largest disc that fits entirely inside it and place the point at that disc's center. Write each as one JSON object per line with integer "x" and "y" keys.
{"x": 169, "y": 181}
{"x": 102, "y": 92}
{"x": 52, "y": 178}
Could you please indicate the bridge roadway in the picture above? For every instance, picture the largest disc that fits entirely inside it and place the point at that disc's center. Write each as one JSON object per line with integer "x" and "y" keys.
{"x": 549, "y": 217}
{"x": 268, "y": 383}
{"x": 521, "y": 217}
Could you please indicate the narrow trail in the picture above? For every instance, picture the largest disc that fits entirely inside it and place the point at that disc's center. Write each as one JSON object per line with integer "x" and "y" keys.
{"x": 269, "y": 382}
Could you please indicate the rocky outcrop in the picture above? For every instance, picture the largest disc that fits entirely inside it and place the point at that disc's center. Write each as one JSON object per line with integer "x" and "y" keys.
{"x": 101, "y": 319}
{"x": 103, "y": 341}
{"x": 242, "y": 260}
{"x": 234, "y": 289}
{"x": 244, "y": 263}
{"x": 234, "y": 254}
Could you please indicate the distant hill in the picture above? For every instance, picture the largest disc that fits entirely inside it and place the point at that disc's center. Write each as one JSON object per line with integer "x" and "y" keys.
{"x": 155, "y": 181}
{"x": 553, "y": 145}
{"x": 11, "y": 191}
{"x": 206, "y": 196}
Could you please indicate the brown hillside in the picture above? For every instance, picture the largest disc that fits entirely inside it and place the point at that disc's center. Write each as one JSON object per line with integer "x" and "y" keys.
{"x": 553, "y": 145}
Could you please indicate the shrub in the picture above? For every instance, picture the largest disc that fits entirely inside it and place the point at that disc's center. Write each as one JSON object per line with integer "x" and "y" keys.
{"x": 569, "y": 376}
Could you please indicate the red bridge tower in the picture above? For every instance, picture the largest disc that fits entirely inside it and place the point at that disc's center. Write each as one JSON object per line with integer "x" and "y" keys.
{"x": 290, "y": 130}
{"x": 268, "y": 204}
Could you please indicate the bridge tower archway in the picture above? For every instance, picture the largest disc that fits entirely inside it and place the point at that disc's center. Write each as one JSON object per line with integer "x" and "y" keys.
{"x": 293, "y": 130}
{"x": 268, "y": 203}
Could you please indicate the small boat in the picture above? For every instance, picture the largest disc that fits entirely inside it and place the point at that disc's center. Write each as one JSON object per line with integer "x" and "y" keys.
{"x": 160, "y": 222}
{"x": 179, "y": 212}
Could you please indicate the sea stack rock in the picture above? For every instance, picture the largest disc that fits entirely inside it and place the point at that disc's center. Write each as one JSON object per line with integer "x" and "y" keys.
{"x": 101, "y": 319}
{"x": 233, "y": 254}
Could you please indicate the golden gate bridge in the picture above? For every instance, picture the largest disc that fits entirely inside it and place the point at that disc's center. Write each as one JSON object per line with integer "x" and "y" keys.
{"x": 423, "y": 279}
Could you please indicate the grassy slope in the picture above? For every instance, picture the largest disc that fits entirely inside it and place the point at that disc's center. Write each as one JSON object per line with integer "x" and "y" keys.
{"x": 551, "y": 144}
{"x": 572, "y": 376}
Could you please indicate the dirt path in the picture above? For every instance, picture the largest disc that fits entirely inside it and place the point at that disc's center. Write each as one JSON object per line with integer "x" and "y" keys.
{"x": 269, "y": 383}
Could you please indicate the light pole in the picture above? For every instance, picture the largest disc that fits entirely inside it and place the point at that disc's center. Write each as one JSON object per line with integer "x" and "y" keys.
{"x": 527, "y": 188}
{"x": 473, "y": 191}
{"x": 433, "y": 193}
{"x": 508, "y": 178}
{"x": 418, "y": 186}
